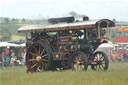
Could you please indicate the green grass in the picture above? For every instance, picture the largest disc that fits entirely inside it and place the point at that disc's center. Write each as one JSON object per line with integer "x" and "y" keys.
{"x": 117, "y": 74}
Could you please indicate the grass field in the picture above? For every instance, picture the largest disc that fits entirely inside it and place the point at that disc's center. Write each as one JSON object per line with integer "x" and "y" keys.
{"x": 117, "y": 74}
{"x": 12, "y": 29}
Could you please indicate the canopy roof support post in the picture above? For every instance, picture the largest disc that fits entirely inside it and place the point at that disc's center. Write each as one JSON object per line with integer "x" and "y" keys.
{"x": 86, "y": 33}
{"x": 108, "y": 30}
{"x": 99, "y": 30}
{"x": 26, "y": 36}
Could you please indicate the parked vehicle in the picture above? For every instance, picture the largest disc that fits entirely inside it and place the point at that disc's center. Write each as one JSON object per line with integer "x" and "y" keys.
{"x": 66, "y": 45}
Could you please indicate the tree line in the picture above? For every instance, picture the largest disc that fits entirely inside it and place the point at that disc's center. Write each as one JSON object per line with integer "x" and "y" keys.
{"x": 7, "y": 20}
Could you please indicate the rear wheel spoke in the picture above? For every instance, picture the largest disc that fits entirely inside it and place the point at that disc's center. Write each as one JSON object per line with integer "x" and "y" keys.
{"x": 44, "y": 64}
{"x": 42, "y": 52}
{"x": 38, "y": 69}
{"x": 32, "y": 60}
{"x": 32, "y": 53}
{"x": 39, "y": 50}
{"x": 44, "y": 59}
{"x": 44, "y": 55}
{"x": 34, "y": 65}
{"x": 35, "y": 49}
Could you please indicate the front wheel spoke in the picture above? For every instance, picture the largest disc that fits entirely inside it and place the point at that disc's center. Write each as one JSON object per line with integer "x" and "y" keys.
{"x": 34, "y": 65}
{"x": 81, "y": 67}
{"x": 95, "y": 67}
{"x": 99, "y": 67}
{"x": 102, "y": 57}
{"x": 102, "y": 66}
{"x": 77, "y": 67}
{"x": 82, "y": 62}
{"x": 96, "y": 58}
{"x": 79, "y": 58}
{"x": 103, "y": 62}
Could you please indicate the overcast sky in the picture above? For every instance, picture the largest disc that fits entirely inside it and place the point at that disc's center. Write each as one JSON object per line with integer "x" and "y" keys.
{"x": 95, "y": 9}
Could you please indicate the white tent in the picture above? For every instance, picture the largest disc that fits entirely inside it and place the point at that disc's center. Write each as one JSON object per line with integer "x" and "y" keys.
{"x": 6, "y": 44}
{"x": 22, "y": 45}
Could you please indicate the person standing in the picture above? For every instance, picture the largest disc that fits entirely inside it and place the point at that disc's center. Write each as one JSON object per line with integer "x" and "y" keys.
{"x": 7, "y": 57}
{"x": 3, "y": 58}
{"x": 125, "y": 56}
{"x": 24, "y": 56}
{"x": 13, "y": 57}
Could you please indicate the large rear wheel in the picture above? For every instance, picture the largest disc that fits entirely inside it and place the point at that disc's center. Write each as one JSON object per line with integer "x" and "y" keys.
{"x": 39, "y": 57}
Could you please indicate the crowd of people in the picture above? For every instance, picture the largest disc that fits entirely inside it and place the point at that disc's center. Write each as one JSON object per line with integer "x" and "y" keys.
{"x": 12, "y": 57}
{"x": 115, "y": 56}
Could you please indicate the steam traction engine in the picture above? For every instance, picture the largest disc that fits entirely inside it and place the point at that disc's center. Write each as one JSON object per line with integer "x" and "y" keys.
{"x": 66, "y": 45}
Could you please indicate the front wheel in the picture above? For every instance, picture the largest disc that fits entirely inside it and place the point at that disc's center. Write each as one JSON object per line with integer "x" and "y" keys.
{"x": 79, "y": 61}
{"x": 100, "y": 61}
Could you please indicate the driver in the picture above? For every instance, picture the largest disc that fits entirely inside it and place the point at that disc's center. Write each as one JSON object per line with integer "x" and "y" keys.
{"x": 92, "y": 34}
